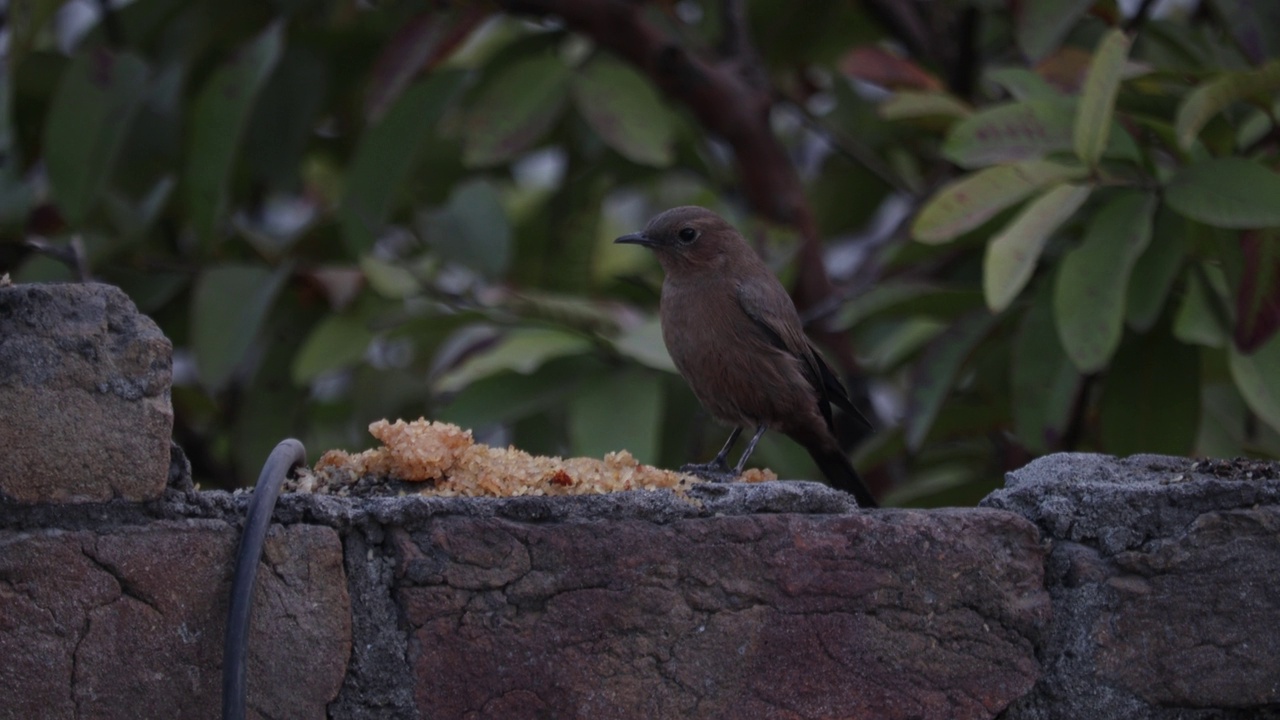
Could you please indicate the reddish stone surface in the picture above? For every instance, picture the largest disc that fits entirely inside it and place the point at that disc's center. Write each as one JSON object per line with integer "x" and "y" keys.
{"x": 885, "y": 615}
{"x": 84, "y": 396}
{"x": 128, "y": 623}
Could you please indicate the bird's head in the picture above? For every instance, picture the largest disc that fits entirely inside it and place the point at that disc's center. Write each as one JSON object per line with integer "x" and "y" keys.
{"x": 688, "y": 238}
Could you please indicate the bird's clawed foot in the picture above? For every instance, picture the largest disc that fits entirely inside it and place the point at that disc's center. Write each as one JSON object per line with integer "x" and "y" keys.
{"x": 716, "y": 471}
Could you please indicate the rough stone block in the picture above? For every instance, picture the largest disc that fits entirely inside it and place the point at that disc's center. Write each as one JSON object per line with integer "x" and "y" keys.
{"x": 128, "y": 622}
{"x": 888, "y": 615}
{"x": 1163, "y": 577}
{"x": 85, "y": 413}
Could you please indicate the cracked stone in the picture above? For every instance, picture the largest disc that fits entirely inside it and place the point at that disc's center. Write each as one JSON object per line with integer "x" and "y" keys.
{"x": 887, "y": 615}
{"x": 102, "y": 624}
{"x": 1162, "y": 573}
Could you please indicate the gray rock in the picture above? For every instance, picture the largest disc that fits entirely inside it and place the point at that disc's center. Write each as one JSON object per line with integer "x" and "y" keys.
{"x": 85, "y": 413}
{"x": 1163, "y": 573}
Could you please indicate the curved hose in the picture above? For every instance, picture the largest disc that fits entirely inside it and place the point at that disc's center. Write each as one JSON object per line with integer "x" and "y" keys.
{"x": 235, "y": 648}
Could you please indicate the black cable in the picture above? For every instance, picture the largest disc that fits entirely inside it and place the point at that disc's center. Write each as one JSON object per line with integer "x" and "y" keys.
{"x": 235, "y": 648}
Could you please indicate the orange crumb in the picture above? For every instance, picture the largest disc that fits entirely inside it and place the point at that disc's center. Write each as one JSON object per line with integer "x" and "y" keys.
{"x": 447, "y": 461}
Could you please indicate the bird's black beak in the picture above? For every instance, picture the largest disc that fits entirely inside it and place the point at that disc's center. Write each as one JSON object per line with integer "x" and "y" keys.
{"x": 636, "y": 239}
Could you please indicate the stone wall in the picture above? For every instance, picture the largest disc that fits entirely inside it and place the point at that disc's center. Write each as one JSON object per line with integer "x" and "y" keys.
{"x": 1090, "y": 587}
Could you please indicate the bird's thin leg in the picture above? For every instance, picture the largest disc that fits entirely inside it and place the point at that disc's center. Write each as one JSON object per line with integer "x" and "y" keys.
{"x": 719, "y": 464}
{"x": 751, "y": 446}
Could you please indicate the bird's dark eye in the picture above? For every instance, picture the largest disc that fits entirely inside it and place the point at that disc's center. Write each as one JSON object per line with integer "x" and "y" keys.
{"x": 687, "y": 235}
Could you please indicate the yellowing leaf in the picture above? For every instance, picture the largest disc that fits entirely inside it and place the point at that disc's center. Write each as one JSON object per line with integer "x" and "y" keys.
{"x": 1013, "y": 253}
{"x": 1025, "y": 130}
{"x": 1212, "y": 97}
{"x": 966, "y": 203}
{"x": 917, "y": 103}
{"x": 1098, "y": 100}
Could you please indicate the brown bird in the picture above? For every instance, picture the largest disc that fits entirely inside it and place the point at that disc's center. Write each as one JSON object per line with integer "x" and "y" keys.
{"x": 736, "y": 337}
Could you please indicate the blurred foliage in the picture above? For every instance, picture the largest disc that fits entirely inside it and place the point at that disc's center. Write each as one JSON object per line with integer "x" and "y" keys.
{"x": 1050, "y": 225}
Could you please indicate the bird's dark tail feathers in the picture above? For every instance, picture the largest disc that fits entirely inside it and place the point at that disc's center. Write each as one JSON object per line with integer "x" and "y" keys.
{"x": 835, "y": 465}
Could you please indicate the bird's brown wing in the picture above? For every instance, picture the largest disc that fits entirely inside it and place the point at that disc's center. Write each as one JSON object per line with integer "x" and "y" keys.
{"x": 835, "y": 390}
{"x": 776, "y": 318}
{"x": 778, "y": 322}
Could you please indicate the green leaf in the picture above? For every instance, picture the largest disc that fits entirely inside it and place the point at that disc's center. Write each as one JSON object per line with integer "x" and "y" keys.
{"x": 1212, "y": 97}
{"x": 523, "y": 350}
{"x": 335, "y": 342}
{"x": 1222, "y": 421}
{"x": 1007, "y": 132}
{"x": 887, "y": 345}
{"x": 1093, "y": 280}
{"x": 92, "y": 109}
{"x": 1199, "y": 318}
{"x": 644, "y": 344}
{"x": 1045, "y": 383}
{"x": 389, "y": 279}
{"x": 1151, "y": 397}
{"x": 227, "y": 310}
{"x": 1156, "y": 270}
{"x": 1098, "y": 97}
{"x": 1025, "y": 130}
{"x": 625, "y": 110}
{"x": 1021, "y": 83}
{"x": 620, "y": 410}
{"x": 1040, "y": 26}
{"x": 966, "y": 203}
{"x": 934, "y": 376}
{"x": 386, "y": 154}
{"x": 1258, "y": 378}
{"x": 508, "y": 396}
{"x": 1013, "y": 253}
{"x": 472, "y": 229}
{"x": 907, "y": 104}
{"x": 219, "y": 117}
{"x": 1229, "y": 192}
{"x": 514, "y": 110}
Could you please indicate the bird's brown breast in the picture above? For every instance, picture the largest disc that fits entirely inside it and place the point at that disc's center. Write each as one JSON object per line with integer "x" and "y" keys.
{"x": 732, "y": 368}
